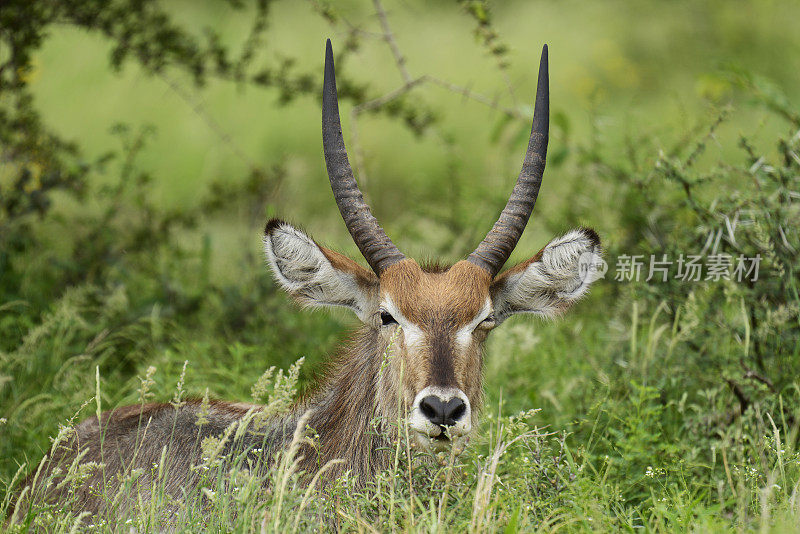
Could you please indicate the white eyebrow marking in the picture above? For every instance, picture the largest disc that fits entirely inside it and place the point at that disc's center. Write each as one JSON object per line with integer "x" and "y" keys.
{"x": 464, "y": 334}
{"x": 412, "y": 334}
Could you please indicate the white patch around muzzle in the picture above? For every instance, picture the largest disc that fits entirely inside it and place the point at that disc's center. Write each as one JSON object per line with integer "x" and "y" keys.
{"x": 431, "y": 435}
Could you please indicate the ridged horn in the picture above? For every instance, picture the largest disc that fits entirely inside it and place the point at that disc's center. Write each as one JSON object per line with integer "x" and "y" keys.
{"x": 372, "y": 241}
{"x": 496, "y": 248}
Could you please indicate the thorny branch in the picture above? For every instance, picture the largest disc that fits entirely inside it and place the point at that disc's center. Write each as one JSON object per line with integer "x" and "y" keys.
{"x": 738, "y": 392}
{"x": 215, "y": 126}
{"x": 409, "y": 84}
{"x": 399, "y": 59}
{"x": 758, "y": 377}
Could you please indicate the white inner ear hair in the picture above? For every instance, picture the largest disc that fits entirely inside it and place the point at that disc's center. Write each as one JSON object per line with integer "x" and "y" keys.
{"x": 549, "y": 286}
{"x": 562, "y": 260}
{"x": 301, "y": 268}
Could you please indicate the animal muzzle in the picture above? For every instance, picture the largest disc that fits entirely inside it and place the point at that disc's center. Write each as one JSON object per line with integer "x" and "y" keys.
{"x": 442, "y": 413}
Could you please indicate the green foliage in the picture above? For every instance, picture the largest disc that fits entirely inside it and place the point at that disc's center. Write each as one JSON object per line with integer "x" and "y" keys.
{"x": 664, "y": 405}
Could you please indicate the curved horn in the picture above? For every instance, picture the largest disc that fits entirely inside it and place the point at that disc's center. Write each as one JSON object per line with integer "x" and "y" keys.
{"x": 495, "y": 249}
{"x": 372, "y": 241}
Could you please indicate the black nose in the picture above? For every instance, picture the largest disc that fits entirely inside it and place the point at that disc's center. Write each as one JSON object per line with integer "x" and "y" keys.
{"x": 443, "y": 413}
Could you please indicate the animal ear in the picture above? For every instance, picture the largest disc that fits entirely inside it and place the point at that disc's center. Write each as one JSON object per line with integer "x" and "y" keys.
{"x": 550, "y": 282}
{"x": 316, "y": 276}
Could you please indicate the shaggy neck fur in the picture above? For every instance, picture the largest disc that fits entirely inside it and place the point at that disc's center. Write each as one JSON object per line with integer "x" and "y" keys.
{"x": 350, "y": 413}
{"x": 354, "y": 411}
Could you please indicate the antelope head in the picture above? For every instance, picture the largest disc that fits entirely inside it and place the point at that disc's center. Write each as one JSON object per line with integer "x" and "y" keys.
{"x": 432, "y": 323}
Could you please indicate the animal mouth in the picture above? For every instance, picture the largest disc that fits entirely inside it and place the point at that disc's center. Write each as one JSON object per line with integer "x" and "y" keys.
{"x": 442, "y": 442}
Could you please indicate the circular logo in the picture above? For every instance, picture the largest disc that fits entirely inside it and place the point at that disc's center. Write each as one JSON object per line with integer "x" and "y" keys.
{"x": 591, "y": 267}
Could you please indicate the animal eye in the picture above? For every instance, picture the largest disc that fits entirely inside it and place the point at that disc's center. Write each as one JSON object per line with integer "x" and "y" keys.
{"x": 387, "y": 319}
{"x": 488, "y": 322}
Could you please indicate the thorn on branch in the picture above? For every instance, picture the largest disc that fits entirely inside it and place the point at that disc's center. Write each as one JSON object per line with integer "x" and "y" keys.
{"x": 399, "y": 59}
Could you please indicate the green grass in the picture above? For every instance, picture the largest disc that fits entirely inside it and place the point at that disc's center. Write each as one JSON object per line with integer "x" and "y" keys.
{"x": 661, "y": 407}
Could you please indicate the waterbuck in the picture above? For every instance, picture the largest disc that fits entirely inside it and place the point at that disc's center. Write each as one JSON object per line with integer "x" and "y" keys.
{"x": 418, "y": 352}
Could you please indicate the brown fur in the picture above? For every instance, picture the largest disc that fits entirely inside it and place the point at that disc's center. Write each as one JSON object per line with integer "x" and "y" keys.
{"x": 364, "y": 277}
{"x": 439, "y": 303}
{"x": 455, "y": 295}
